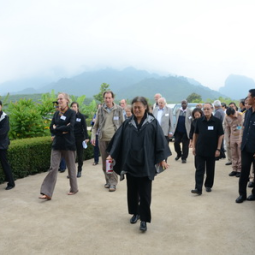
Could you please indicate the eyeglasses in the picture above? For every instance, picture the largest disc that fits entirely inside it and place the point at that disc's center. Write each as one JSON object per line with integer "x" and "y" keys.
{"x": 207, "y": 109}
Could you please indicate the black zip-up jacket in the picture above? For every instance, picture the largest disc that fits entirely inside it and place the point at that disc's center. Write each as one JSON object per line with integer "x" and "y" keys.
{"x": 4, "y": 129}
{"x": 64, "y": 133}
{"x": 138, "y": 148}
{"x": 80, "y": 127}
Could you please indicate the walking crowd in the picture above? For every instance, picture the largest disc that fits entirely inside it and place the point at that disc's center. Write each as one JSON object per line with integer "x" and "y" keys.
{"x": 136, "y": 138}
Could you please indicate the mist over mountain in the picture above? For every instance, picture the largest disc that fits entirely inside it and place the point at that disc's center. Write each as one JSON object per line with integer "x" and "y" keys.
{"x": 126, "y": 83}
{"x": 17, "y": 86}
{"x": 237, "y": 86}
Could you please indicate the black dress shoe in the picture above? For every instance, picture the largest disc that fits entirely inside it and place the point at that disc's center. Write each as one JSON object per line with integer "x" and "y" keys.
{"x": 62, "y": 170}
{"x": 251, "y": 185}
{"x": 233, "y": 173}
{"x": 134, "y": 219}
{"x": 196, "y": 191}
{"x": 9, "y": 187}
{"x": 143, "y": 226}
{"x": 240, "y": 199}
{"x": 238, "y": 174}
{"x": 184, "y": 161}
{"x": 79, "y": 174}
{"x": 208, "y": 189}
{"x": 251, "y": 197}
{"x": 228, "y": 163}
{"x": 177, "y": 157}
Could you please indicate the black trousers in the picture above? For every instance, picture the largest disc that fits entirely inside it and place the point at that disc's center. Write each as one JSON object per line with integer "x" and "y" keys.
{"x": 96, "y": 151}
{"x": 139, "y": 196}
{"x": 6, "y": 167}
{"x": 247, "y": 159}
{"x": 79, "y": 151}
{"x": 178, "y": 139}
{"x": 204, "y": 164}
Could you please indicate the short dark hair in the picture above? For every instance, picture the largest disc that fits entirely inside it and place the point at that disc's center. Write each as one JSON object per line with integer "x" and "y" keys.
{"x": 197, "y": 110}
{"x": 242, "y": 101}
{"x": 1, "y": 102}
{"x": 108, "y": 91}
{"x": 252, "y": 91}
{"x": 223, "y": 105}
{"x": 76, "y": 104}
{"x": 230, "y": 111}
{"x": 233, "y": 104}
{"x": 143, "y": 100}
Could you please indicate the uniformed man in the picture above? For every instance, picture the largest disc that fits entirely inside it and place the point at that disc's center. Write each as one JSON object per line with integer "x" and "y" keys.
{"x": 233, "y": 134}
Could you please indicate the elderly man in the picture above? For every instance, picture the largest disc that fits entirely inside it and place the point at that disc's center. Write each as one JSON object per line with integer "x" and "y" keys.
{"x": 220, "y": 114}
{"x": 164, "y": 116}
{"x": 181, "y": 131}
{"x": 247, "y": 149}
{"x": 156, "y": 98}
{"x": 207, "y": 140}
{"x": 233, "y": 134}
{"x": 123, "y": 105}
{"x": 109, "y": 117}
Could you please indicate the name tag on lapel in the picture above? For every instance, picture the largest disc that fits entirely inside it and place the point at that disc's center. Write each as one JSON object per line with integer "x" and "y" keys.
{"x": 210, "y": 127}
{"x": 63, "y": 117}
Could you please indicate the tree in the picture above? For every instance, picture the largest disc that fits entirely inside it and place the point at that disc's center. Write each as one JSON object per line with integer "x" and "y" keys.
{"x": 99, "y": 97}
{"x": 194, "y": 98}
{"x": 26, "y": 120}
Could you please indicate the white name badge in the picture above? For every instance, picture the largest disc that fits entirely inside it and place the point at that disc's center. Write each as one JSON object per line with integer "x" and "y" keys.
{"x": 78, "y": 120}
{"x": 63, "y": 117}
{"x": 190, "y": 117}
{"x": 210, "y": 127}
{"x": 116, "y": 117}
{"x": 167, "y": 114}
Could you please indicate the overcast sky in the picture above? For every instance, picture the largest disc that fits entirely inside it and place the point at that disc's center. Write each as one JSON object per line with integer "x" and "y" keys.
{"x": 202, "y": 39}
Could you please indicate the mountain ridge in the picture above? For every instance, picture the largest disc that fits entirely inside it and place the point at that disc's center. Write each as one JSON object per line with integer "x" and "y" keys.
{"x": 127, "y": 83}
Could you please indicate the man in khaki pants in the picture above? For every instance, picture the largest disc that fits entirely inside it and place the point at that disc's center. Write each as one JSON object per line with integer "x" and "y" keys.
{"x": 233, "y": 134}
{"x": 108, "y": 119}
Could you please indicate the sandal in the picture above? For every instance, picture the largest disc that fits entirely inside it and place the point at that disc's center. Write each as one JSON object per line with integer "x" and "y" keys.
{"x": 45, "y": 197}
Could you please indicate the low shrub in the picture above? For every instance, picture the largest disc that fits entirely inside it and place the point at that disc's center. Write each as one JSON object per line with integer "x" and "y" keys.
{"x": 32, "y": 155}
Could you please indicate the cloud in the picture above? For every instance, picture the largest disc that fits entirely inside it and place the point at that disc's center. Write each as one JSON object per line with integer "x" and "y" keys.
{"x": 202, "y": 39}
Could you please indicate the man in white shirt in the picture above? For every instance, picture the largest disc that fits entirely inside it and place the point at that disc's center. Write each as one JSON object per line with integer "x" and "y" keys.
{"x": 164, "y": 116}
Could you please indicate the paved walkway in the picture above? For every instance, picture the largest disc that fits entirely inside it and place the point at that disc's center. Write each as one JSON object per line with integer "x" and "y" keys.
{"x": 95, "y": 221}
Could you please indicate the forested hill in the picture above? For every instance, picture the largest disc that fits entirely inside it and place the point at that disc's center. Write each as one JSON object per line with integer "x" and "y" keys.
{"x": 127, "y": 83}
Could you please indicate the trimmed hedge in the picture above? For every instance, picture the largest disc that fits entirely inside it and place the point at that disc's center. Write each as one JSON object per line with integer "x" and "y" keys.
{"x": 32, "y": 155}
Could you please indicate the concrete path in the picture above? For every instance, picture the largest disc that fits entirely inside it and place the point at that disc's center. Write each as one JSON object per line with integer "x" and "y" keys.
{"x": 95, "y": 221}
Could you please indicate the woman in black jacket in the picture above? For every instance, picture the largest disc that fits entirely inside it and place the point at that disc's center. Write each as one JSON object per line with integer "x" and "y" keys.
{"x": 137, "y": 146}
{"x": 62, "y": 127}
{"x": 81, "y": 135}
{"x": 196, "y": 114}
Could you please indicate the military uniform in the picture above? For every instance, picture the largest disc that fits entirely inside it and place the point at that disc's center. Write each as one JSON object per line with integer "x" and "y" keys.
{"x": 233, "y": 133}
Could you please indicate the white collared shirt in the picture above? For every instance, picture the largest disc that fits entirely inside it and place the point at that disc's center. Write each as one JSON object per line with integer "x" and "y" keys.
{"x": 159, "y": 115}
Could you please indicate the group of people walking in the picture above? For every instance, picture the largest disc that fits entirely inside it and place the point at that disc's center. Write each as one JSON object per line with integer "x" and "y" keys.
{"x": 206, "y": 132}
{"x": 137, "y": 138}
